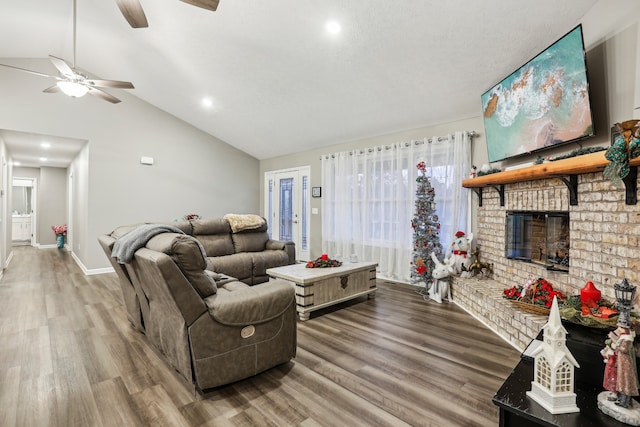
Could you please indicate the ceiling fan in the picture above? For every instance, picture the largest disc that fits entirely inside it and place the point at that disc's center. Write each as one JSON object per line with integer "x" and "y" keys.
{"x": 133, "y": 13}
{"x": 73, "y": 83}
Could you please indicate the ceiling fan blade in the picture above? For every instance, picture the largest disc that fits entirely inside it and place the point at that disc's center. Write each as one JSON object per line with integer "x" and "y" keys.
{"x": 133, "y": 13}
{"x": 205, "y": 4}
{"x": 52, "y": 89}
{"x": 28, "y": 71}
{"x": 102, "y": 94}
{"x": 109, "y": 83}
{"x": 62, "y": 66}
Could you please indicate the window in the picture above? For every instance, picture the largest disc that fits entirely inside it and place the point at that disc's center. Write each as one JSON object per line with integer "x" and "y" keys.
{"x": 543, "y": 374}
{"x": 368, "y": 199}
{"x": 305, "y": 212}
{"x": 564, "y": 378}
{"x": 269, "y": 200}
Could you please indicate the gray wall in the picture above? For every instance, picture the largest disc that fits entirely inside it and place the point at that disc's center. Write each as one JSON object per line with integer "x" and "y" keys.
{"x": 77, "y": 236}
{"x": 612, "y": 39}
{"x": 193, "y": 172}
{"x": 52, "y": 206}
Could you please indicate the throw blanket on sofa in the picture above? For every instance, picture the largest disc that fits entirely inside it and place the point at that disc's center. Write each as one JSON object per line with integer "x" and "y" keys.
{"x": 244, "y": 222}
{"x": 127, "y": 245}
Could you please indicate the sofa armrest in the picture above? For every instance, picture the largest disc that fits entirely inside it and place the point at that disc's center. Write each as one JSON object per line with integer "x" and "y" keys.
{"x": 252, "y": 305}
{"x": 281, "y": 245}
{"x": 225, "y": 279}
{"x": 220, "y": 279}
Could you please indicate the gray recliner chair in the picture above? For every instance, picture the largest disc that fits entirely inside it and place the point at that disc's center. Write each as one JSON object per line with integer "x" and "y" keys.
{"x": 213, "y": 334}
{"x": 133, "y": 304}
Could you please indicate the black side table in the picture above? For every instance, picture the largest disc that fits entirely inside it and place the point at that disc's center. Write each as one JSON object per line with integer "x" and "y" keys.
{"x": 518, "y": 410}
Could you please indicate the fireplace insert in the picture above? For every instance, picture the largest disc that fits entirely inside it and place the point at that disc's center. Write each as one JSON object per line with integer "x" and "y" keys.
{"x": 539, "y": 237}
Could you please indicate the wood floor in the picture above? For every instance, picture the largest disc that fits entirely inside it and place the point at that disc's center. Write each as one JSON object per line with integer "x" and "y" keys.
{"x": 68, "y": 357}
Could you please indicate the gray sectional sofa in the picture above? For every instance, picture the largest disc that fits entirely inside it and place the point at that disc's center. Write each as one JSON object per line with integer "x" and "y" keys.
{"x": 245, "y": 255}
{"x": 212, "y": 328}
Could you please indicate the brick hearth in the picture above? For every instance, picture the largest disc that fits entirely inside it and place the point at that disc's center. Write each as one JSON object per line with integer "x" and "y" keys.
{"x": 604, "y": 234}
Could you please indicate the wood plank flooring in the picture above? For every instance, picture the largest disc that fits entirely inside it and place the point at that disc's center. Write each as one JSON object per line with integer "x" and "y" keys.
{"x": 68, "y": 357}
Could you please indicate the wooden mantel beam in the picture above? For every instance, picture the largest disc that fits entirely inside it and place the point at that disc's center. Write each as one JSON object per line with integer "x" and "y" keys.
{"x": 587, "y": 163}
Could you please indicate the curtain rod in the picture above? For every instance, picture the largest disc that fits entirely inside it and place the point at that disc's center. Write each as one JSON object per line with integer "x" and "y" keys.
{"x": 471, "y": 134}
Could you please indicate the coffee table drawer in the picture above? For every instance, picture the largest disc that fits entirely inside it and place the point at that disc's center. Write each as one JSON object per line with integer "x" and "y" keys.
{"x": 337, "y": 288}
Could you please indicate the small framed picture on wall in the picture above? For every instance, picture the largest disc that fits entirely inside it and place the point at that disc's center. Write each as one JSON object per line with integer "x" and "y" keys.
{"x": 316, "y": 191}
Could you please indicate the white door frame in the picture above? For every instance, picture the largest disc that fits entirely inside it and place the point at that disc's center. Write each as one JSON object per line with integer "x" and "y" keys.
{"x": 301, "y": 206}
{"x": 34, "y": 207}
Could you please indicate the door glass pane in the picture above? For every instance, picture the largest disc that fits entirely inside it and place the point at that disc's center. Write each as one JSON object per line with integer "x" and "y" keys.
{"x": 286, "y": 209}
{"x": 305, "y": 197}
{"x": 270, "y": 208}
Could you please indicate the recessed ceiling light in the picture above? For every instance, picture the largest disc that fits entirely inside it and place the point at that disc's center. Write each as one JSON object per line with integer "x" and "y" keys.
{"x": 332, "y": 27}
{"x": 207, "y": 102}
{"x": 43, "y": 159}
{"x": 45, "y": 145}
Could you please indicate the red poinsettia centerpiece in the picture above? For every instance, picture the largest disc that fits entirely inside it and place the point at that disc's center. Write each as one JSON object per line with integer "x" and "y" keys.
{"x": 534, "y": 291}
{"x": 323, "y": 262}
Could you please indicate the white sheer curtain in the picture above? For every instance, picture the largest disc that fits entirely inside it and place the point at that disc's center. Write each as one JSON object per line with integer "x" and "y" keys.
{"x": 368, "y": 199}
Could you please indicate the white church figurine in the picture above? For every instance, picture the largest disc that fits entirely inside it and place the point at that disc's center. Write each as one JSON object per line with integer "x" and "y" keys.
{"x": 554, "y": 365}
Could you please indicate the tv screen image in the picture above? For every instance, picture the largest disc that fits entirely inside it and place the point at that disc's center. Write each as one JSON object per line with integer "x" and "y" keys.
{"x": 542, "y": 104}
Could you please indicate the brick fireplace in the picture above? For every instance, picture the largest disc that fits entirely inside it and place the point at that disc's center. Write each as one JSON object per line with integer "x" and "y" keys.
{"x": 604, "y": 234}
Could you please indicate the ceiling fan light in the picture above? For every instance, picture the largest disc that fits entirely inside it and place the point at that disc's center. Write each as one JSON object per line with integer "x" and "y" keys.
{"x": 73, "y": 89}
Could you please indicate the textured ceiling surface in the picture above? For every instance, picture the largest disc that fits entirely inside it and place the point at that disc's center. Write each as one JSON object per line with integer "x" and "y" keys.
{"x": 278, "y": 82}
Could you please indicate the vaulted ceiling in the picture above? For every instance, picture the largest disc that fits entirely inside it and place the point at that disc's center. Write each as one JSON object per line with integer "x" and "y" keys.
{"x": 276, "y": 80}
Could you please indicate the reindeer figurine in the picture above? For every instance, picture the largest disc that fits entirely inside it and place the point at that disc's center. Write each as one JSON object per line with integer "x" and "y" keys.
{"x": 477, "y": 267}
{"x": 440, "y": 288}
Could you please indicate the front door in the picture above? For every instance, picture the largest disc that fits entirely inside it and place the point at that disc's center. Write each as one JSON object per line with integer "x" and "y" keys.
{"x": 287, "y": 207}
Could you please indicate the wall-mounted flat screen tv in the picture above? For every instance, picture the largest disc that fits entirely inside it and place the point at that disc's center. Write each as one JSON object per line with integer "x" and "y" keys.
{"x": 542, "y": 104}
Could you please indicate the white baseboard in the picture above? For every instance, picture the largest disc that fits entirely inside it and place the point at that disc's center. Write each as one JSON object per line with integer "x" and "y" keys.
{"x": 91, "y": 272}
{"x": 9, "y": 258}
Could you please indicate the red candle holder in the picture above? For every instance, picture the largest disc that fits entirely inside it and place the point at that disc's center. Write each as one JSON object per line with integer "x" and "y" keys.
{"x": 590, "y": 293}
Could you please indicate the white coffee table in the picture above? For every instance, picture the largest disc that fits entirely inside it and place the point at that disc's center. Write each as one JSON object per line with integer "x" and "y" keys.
{"x": 317, "y": 288}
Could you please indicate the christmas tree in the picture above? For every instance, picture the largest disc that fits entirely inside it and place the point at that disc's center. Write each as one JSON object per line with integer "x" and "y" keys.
{"x": 426, "y": 229}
